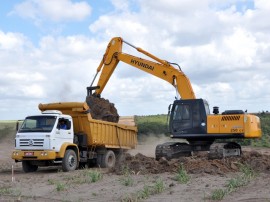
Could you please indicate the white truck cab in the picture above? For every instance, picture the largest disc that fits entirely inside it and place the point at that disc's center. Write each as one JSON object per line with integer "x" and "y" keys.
{"x": 42, "y": 139}
{"x": 43, "y": 132}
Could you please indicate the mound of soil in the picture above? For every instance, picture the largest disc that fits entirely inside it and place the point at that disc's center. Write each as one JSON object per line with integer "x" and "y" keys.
{"x": 102, "y": 109}
{"x": 196, "y": 164}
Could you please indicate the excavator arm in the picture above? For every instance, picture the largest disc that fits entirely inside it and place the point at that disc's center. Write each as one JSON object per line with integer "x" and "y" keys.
{"x": 160, "y": 68}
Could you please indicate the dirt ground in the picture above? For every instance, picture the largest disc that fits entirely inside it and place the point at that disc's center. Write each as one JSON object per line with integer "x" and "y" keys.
{"x": 137, "y": 177}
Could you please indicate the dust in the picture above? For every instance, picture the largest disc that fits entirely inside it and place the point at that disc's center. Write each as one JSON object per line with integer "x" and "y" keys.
{"x": 102, "y": 109}
{"x": 147, "y": 144}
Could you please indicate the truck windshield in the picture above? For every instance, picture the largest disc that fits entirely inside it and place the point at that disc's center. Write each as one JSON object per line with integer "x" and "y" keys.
{"x": 38, "y": 124}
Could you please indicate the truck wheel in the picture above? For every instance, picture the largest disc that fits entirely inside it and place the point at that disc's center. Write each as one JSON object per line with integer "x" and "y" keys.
{"x": 70, "y": 161}
{"x": 108, "y": 159}
{"x": 28, "y": 167}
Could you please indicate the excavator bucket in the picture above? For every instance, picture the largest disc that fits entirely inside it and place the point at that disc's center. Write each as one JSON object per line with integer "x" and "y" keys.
{"x": 102, "y": 109}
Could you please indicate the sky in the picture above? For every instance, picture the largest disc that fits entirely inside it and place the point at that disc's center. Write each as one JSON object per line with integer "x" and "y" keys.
{"x": 50, "y": 50}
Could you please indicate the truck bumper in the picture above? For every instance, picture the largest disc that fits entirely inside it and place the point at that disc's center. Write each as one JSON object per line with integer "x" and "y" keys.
{"x": 19, "y": 155}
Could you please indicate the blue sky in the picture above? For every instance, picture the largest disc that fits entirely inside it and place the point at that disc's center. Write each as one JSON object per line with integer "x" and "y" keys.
{"x": 50, "y": 51}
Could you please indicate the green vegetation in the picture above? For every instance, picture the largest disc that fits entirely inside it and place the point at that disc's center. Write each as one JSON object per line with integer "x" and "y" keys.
{"x": 218, "y": 194}
{"x": 7, "y": 128}
{"x": 158, "y": 186}
{"x": 5, "y": 191}
{"x": 92, "y": 176}
{"x": 9, "y": 191}
{"x": 152, "y": 124}
{"x": 60, "y": 186}
{"x": 146, "y": 191}
{"x": 127, "y": 179}
{"x": 265, "y": 124}
{"x": 182, "y": 175}
{"x": 247, "y": 174}
{"x": 86, "y": 176}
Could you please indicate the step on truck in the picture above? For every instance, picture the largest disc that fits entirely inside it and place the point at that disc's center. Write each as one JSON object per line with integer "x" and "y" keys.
{"x": 65, "y": 134}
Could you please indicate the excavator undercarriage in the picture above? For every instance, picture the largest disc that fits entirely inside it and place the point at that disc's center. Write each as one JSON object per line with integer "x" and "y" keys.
{"x": 171, "y": 150}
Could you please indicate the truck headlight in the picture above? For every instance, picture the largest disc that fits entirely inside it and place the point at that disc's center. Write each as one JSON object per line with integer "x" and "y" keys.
{"x": 44, "y": 154}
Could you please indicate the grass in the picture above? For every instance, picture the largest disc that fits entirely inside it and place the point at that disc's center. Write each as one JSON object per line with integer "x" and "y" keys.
{"x": 5, "y": 191}
{"x": 182, "y": 175}
{"x": 146, "y": 192}
{"x": 247, "y": 174}
{"x": 127, "y": 179}
{"x": 158, "y": 186}
{"x": 9, "y": 191}
{"x": 59, "y": 186}
{"x": 218, "y": 194}
{"x": 92, "y": 176}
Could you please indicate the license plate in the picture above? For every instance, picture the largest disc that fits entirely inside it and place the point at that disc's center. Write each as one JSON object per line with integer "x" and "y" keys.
{"x": 28, "y": 153}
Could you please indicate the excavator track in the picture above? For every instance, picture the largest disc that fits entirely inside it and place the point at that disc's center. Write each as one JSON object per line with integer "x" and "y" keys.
{"x": 223, "y": 150}
{"x": 171, "y": 150}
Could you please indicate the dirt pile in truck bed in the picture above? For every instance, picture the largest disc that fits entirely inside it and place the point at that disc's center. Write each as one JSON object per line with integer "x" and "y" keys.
{"x": 196, "y": 164}
{"x": 102, "y": 109}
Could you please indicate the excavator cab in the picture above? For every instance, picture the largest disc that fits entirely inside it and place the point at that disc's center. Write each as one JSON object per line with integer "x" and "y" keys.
{"x": 188, "y": 118}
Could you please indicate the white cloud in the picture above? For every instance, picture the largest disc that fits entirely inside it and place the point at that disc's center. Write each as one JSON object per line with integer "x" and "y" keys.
{"x": 222, "y": 49}
{"x": 57, "y": 11}
{"x": 9, "y": 41}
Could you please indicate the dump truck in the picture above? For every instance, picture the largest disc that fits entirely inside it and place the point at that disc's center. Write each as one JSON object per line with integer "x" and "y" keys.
{"x": 65, "y": 134}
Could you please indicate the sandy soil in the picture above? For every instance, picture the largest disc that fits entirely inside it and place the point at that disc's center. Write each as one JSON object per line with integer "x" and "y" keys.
{"x": 144, "y": 174}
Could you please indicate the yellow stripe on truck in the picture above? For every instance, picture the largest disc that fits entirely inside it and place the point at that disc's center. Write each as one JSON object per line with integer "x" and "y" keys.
{"x": 37, "y": 155}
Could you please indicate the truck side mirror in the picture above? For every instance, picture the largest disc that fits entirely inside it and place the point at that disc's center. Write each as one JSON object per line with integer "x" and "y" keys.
{"x": 17, "y": 125}
{"x": 169, "y": 107}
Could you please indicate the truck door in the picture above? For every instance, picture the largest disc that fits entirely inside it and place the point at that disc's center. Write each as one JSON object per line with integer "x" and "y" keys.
{"x": 63, "y": 132}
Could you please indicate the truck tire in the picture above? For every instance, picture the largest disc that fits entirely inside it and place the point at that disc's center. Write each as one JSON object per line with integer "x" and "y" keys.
{"x": 70, "y": 161}
{"x": 28, "y": 167}
{"x": 108, "y": 159}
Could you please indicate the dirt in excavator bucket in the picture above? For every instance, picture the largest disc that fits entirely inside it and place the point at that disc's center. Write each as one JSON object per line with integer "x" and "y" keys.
{"x": 102, "y": 109}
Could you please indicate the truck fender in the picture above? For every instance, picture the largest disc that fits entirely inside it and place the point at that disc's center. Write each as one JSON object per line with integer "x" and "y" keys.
{"x": 65, "y": 146}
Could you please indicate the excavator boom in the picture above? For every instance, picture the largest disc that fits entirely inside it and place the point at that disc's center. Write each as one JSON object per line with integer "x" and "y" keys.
{"x": 160, "y": 68}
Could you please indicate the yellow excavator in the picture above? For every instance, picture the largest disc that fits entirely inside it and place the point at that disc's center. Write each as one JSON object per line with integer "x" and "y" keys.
{"x": 190, "y": 118}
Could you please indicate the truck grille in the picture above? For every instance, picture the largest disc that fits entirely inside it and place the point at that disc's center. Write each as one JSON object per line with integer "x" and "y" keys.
{"x": 31, "y": 142}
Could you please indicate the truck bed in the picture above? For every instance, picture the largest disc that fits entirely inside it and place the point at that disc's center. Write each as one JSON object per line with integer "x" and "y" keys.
{"x": 99, "y": 133}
